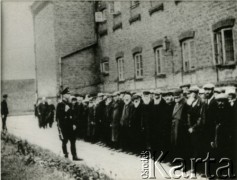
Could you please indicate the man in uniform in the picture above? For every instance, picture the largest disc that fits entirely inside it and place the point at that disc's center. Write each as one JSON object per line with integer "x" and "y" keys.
{"x": 66, "y": 125}
{"x": 4, "y": 112}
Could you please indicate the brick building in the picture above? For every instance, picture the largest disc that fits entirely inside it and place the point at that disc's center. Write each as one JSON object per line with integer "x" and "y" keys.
{"x": 136, "y": 45}
{"x": 163, "y": 44}
{"x": 64, "y": 45}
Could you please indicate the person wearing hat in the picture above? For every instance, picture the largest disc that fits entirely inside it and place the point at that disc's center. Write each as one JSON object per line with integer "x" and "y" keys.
{"x": 147, "y": 117}
{"x": 160, "y": 124}
{"x": 125, "y": 122}
{"x": 209, "y": 117}
{"x": 66, "y": 124}
{"x": 136, "y": 130}
{"x": 4, "y": 112}
{"x": 80, "y": 116}
{"x": 99, "y": 116}
{"x": 179, "y": 131}
{"x": 51, "y": 113}
{"x": 194, "y": 121}
{"x": 221, "y": 141}
{"x": 43, "y": 112}
{"x": 116, "y": 116}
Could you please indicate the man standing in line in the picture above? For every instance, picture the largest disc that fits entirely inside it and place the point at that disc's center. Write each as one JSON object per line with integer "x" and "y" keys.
{"x": 4, "y": 112}
{"x": 66, "y": 125}
{"x": 43, "y": 112}
{"x": 209, "y": 117}
{"x": 194, "y": 121}
{"x": 117, "y": 112}
{"x": 179, "y": 129}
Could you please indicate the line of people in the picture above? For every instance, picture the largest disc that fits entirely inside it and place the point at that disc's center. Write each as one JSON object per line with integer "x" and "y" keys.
{"x": 187, "y": 123}
{"x": 45, "y": 112}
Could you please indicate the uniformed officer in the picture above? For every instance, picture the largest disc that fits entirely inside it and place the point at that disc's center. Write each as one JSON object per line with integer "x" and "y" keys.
{"x": 66, "y": 125}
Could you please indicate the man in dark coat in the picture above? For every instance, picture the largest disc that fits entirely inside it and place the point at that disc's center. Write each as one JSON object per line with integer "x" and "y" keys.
{"x": 179, "y": 129}
{"x": 80, "y": 116}
{"x": 116, "y": 116}
{"x": 160, "y": 125}
{"x": 209, "y": 116}
{"x": 147, "y": 117}
{"x": 4, "y": 112}
{"x": 43, "y": 112}
{"x": 168, "y": 97}
{"x": 125, "y": 122}
{"x": 194, "y": 121}
{"x": 223, "y": 126}
{"x": 99, "y": 116}
{"x": 50, "y": 116}
{"x": 108, "y": 114}
{"x": 136, "y": 125}
{"x": 66, "y": 125}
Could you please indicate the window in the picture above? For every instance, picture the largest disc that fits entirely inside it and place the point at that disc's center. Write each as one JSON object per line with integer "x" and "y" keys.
{"x": 120, "y": 62}
{"x": 134, "y": 4}
{"x": 104, "y": 67}
{"x": 115, "y": 7}
{"x": 188, "y": 50}
{"x": 155, "y": 3}
{"x": 159, "y": 60}
{"x": 104, "y": 11}
{"x": 223, "y": 46}
{"x": 138, "y": 65}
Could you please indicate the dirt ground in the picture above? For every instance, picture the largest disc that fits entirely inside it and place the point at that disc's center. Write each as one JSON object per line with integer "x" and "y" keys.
{"x": 117, "y": 165}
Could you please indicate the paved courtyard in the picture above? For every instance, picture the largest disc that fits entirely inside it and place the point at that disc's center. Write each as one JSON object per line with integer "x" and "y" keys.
{"x": 117, "y": 165}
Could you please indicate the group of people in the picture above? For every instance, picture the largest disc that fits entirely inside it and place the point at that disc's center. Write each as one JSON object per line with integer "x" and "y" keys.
{"x": 45, "y": 112}
{"x": 187, "y": 122}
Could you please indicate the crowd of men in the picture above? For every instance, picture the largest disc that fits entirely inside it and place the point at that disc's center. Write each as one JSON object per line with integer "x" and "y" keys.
{"x": 187, "y": 122}
{"x": 44, "y": 111}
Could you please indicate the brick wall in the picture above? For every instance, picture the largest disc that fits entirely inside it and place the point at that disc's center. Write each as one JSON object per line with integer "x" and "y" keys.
{"x": 74, "y": 27}
{"x": 21, "y": 95}
{"x": 172, "y": 21}
{"x": 79, "y": 72}
{"x": 45, "y": 53}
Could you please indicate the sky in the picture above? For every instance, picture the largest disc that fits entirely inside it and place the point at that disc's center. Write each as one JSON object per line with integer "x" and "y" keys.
{"x": 18, "y": 61}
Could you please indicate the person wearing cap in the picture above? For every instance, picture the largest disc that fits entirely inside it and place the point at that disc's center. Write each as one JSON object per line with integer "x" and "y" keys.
{"x": 4, "y": 112}
{"x": 159, "y": 127}
{"x": 209, "y": 117}
{"x": 136, "y": 130}
{"x": 91, "y": 124}
{"x": 147, "y": 117}
{"x": 99, "y": 116}
{"x": 221, "y": 141}
{"x": 179, "y": 130}
{"x": 116, "y": 116}
{"x": 43, "y": 112}
{"x": 194, "y": 121}
{"x": 108, "y": 113}
{"x": 125, "y": 122}
{"x": 66, "y": 124}
{"x": 81, "y": 129}
{"x": 51, "y": 113}
{"x": 233, "y": 106}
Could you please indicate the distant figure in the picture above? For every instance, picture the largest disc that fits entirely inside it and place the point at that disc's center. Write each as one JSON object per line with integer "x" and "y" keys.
{"x": 4, "y": 112}
{"x": 43, "y": 111}
{"x": 50, "y": 116}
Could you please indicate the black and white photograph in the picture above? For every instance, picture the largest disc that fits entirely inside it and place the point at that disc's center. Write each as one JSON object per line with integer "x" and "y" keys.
{"x": 118, "y": 89}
